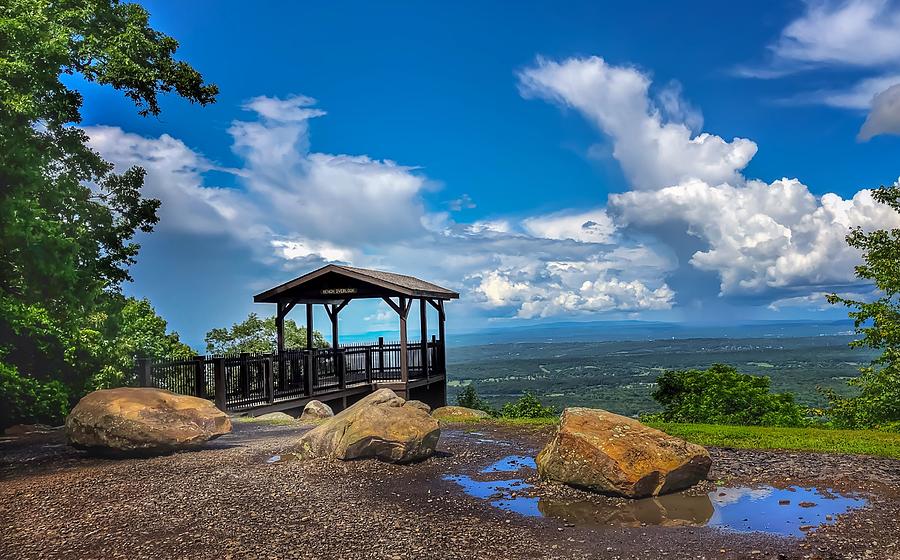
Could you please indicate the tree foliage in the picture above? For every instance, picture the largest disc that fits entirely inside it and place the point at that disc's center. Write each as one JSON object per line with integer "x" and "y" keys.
{"x": 468, "y": 398}
{"x": 878, "y": 321}
{"x": 721, "y": 395}
{"x": 67, "y": 219}
{"x": 256, "y": 335}
{"x": 527, "y": 406}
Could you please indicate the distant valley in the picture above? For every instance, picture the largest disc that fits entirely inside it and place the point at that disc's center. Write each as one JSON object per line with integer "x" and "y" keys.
{"x": 618, "y": 375}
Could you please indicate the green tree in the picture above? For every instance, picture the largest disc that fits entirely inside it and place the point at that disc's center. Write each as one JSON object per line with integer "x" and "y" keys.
{"x": 257, "y": 335}
{"x": 878, "y": 321}
{"x": 721, "y": 395}
{"x": 133, "y": 329}
{"x": 67, "y": 220}
{"x": 468, "y": 397}
{"x": 527, "y": 406}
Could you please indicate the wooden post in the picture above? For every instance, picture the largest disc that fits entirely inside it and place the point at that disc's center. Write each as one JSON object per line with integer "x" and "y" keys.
{"x": 311, "y": 372}
{"x": 200, "y": 376}
{"x": 404, "y": 356}
{"x": 308, "y": 372}
{"x": 221, "y": 384}
{"x": 442, "y": 335}
{"x": 245, "y": 375}
{"x": 423, "y": 325}
{"x": 341, "y": 368}
{"x": 380, "y": 358}
{"x": 143, "y": 369}
{"x": 279, "y": 327}
{"x": 334, "y": 329}
{"x": 270, "y": 378}
{"x": 434, "y": 349}
{"x": 309, "y": 325}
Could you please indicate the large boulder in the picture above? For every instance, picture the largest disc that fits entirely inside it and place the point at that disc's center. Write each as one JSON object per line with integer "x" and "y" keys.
{"x": 316, "y": 410}
{"x": 143, "y": 421}
{"x": 603, "y": 452}
{"x": 459, "y": 413}
{"x": 379, "y": 427}
{"x": 418, "y": 404}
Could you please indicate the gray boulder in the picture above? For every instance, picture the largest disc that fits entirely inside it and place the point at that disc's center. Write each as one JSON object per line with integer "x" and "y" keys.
{"x": 316, "y": 410}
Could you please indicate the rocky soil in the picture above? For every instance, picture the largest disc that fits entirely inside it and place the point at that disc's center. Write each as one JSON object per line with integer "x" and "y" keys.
{"x": 227, "y": 501}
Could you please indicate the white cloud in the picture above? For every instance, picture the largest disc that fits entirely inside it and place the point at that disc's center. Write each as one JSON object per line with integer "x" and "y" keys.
{"x": 653, "y": 153}
{"x": 762, "y": 236}
{"x": 569, "y": 288}
{"x": 851, "y": 34}
{"x": 594, "y": 226}
{"x": 860, "y": 96}
{"x": 759, "y": 238}
{"x": 489, "y": 226}
{"x": 464, "y": 202}
{"x": 885, "y": 115}
{"x": 297, "y": 209}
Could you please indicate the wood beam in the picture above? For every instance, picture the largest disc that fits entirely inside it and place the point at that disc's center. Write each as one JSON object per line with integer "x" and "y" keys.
{"x": 423, "y": 326}
{"x": 403, "y": 310}
{"x": 309, "y": 326}
{"x": 279, "y": 327}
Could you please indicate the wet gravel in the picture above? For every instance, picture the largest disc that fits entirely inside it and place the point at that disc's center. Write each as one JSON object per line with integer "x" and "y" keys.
{"x": 227, "y": 501}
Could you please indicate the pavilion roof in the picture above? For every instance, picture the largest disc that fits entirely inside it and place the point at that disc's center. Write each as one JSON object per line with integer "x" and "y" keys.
{"x": 338, "y": 281}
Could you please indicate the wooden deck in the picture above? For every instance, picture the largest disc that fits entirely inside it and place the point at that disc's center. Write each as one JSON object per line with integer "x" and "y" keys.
{"x": 260, "y": 383}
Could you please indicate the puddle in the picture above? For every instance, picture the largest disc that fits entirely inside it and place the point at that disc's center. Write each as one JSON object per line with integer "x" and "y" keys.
{"x": 511, "y": 463}
{"x": 273, "y": 459}
{"x": 502, "y": 494}
{"x": 787, "y": 512}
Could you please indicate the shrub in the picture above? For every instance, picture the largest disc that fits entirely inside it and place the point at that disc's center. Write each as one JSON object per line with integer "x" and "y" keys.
{"x": 26, "y": 400}
{"x": 528, "y": 406}
{"x": 721, "y": 395}
{"x": 469, "y": 398}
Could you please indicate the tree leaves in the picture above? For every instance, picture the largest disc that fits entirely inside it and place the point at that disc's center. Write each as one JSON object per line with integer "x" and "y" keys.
{"x": 67, "y": 220}
{"x": 878, "y": 322}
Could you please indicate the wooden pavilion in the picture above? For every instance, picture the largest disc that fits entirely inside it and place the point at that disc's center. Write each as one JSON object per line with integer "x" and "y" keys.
{"x": 287, "y": 379}
{"x": 421, "y": 364}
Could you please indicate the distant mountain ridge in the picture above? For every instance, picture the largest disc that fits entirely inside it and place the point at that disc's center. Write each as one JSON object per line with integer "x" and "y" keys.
{"x": 600, "y": 331}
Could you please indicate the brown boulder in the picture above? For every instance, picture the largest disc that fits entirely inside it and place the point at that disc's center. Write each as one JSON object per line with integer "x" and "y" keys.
{"x": 603, "y": 452}
{"x": 143, "y": 421}
{"x": 418, "y": 404}
{"x": 379, "y": 427}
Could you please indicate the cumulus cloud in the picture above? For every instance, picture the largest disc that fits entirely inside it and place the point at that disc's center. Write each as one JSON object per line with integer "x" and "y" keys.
{"x": 759, "y": 238}
{"x": 615, "y": 99}
{"x": 569, "y": 288}
{"x": 296, "y": 208}
{"x": 592, "y": 226}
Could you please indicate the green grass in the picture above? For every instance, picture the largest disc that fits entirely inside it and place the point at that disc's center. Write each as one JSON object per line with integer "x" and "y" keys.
{"x": 865, "y": 442}
{"x": 505, "y": 421}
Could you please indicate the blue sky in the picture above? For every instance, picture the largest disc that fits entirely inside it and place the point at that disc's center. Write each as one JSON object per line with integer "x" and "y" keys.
{"x": 547, "y": 161}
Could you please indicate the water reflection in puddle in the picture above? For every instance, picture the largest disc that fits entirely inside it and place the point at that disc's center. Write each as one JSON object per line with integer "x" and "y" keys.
{"x": 274, "y": 459}
{"x": 511, "y": 463}
{"x": 788, "y": 512}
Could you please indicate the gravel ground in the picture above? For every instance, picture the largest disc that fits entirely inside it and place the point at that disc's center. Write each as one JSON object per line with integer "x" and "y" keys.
{"x": 226, "y": 501}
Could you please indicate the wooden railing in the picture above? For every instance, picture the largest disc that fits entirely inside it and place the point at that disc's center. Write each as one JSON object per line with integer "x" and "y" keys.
{"x": 244, "y": 381}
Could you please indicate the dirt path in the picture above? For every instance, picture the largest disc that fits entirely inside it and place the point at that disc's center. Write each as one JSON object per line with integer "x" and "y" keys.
{"x": 226, "y": 501}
